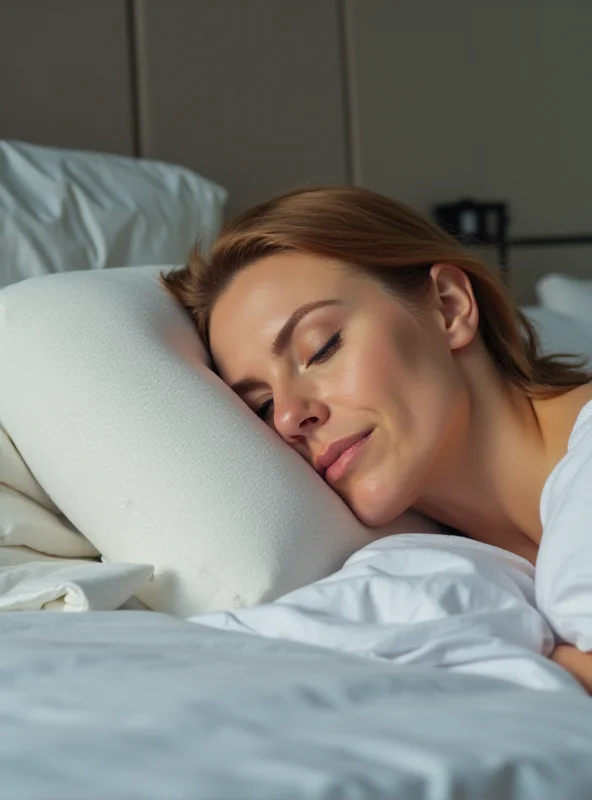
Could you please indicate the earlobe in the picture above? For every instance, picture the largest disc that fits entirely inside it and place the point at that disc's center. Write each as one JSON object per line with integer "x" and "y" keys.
{"x": 456, "y": 304}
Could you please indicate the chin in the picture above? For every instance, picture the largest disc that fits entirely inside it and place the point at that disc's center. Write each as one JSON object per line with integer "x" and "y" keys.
{"x": 372, "y": 520}
{"x": 374, "y": 506}
{"x": 372, "y": 514}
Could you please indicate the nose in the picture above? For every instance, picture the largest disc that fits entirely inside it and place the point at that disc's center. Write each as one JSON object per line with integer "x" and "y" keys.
{"x": 296, "y": 416}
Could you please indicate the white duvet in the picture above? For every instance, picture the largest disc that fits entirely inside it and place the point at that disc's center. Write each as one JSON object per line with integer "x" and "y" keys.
{"x": 420, "y": 599}
{"x": 139, "y": 706}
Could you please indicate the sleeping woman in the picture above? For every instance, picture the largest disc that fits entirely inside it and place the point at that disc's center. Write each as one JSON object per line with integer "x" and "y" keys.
{"x": 395, "y": 362}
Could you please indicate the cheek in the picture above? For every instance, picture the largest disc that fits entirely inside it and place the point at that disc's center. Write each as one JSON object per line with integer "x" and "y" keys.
{"x": 401, "y": 375}
{"x": 362, "y": 380}
{"x": 423, "y": 371}
{"x": 419, "y": 399}
{"x": 387, "y": 380}
{"x": 367, "y": 374}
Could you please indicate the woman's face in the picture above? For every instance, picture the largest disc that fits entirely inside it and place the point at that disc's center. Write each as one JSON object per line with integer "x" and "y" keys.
{"x": 351, "y": 363}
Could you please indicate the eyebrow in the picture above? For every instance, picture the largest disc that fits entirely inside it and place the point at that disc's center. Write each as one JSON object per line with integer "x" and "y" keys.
{"x": 282, "y": 340}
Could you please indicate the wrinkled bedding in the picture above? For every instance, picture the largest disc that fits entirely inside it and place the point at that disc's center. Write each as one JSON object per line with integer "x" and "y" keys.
{"x": 45, "y": 563}
{"x": 132, "y": 705}
{"x": 420, "y": 600}
{"x": 418, "y": 670}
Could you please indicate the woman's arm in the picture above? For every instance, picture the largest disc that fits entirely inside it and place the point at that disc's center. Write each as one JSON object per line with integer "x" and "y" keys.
{"x": 577, "y": 663}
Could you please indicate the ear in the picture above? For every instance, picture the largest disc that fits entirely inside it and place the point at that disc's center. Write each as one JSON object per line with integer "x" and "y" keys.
{"x": 455, "y": 304}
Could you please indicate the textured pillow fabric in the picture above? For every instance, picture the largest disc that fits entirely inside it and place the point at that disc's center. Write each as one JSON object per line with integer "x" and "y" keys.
{"x": 566, "y": 295}
{"x": 66, "y": 209}
{"x": 561, "y": 334}
{"x": 106, "y": 394}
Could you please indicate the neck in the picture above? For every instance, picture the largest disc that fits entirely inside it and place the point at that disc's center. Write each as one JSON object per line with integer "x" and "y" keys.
{"x": 488, "y": 483}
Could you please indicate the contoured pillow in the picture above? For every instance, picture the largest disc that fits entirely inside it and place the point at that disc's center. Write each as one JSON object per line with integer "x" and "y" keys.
{"x": 106, "y": 393}
{"x": 60, "y": 208}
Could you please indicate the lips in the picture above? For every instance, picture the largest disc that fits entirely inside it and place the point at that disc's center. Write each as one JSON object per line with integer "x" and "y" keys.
{"x": 334, "y": 450}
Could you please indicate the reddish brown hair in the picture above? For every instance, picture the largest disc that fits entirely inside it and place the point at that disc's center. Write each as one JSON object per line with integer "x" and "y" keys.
{"x": 388, "y": 241}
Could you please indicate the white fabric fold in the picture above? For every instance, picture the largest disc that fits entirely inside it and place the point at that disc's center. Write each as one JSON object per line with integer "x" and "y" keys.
{"x": 16, "y": 474}
{"x": 25, "y": 522}
{"x": 422, "y": 600}
{"x": 45, "y": 563}
{"x": 33, "y": 582}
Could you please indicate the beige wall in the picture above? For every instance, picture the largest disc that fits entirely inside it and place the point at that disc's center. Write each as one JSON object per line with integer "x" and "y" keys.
{"x": 472, "y": 97}
{"x": 249, "y": 91}
{"x": 65, "y": 73}
{"x": 422, "y": 99}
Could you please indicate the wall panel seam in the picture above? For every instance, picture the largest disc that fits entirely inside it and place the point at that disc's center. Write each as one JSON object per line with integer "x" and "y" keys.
{"x": 351, "y": 116}
{"x": 137, "y": 68}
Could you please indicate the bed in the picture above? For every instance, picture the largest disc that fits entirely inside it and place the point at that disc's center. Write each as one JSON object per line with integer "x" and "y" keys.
{"x": 417, "y": 670}
{"x": 139, "y": 705}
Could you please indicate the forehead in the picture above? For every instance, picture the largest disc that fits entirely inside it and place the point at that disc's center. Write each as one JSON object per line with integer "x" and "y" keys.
{"x": 263, "y": 295}
{"x": 286, "y": 275}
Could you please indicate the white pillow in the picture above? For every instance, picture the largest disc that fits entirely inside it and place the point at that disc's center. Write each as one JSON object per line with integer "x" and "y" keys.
{"x": 28, "y": 518}
{"x": 106, "y": 395}
{"x": 65, "y": 209}
{"x": 561, "y": 334}
{"x": 566, "y": 295}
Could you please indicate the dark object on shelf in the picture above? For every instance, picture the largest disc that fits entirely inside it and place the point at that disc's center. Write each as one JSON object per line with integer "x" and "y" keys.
{"x": 487, "y": 223}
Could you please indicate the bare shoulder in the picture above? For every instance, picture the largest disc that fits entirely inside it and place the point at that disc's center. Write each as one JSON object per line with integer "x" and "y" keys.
{"x": 557, "y": 417}
{"x": 577, "y": 399}
{"x": 566, "y": 406}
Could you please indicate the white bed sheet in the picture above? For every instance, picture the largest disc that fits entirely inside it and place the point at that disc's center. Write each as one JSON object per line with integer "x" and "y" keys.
{"x": 132, "y": 705}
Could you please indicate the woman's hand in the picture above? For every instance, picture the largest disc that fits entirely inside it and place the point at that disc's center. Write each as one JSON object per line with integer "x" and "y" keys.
{"x": 575, "y": 662}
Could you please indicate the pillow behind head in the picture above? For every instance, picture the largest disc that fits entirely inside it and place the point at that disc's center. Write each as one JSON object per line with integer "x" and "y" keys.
{"x": 561, "y": 334}
{"x": 107, "y": 394}
{"x": 60, "y": 208}
{"x": 566, "y": 295}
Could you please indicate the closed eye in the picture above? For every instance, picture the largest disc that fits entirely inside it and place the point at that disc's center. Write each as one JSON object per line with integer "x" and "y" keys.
{"x": 325, "y": 352}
